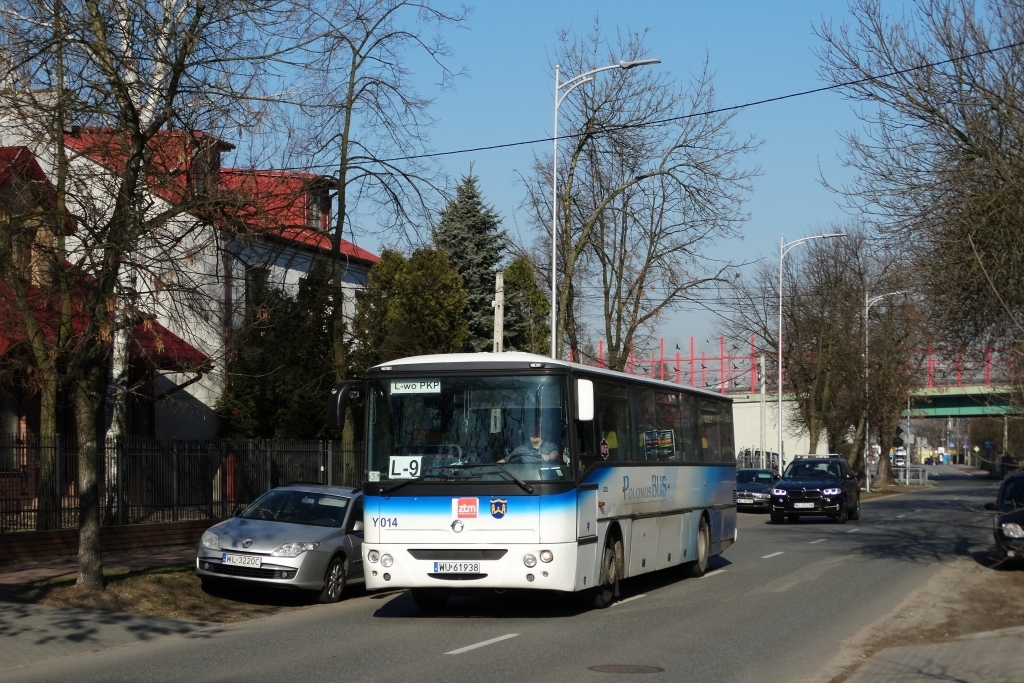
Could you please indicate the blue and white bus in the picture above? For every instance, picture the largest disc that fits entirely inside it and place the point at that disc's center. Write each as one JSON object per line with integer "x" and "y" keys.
{"x": 513, "y": 470}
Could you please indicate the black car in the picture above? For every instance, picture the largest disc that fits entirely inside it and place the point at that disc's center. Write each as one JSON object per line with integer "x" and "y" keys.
{"x": 1009, "y": 522}
{"x": 816, "y": 486}
{"x": 754, "y": 489}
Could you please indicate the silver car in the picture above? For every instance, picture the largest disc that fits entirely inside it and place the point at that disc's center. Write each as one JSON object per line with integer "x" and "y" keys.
{"x": 304, "y": 536}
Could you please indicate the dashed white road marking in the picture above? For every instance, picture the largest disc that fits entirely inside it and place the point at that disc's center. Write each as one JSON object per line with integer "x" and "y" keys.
{"x": 765, "y": 557}
{"x": 820, "y": 540}
{"x": 717, "y": 571}
{"x": 853, "y": 531}
{"x": 635, "y": 597}
{"x": 481, "y": 644}
{"x": 901, "y": 516}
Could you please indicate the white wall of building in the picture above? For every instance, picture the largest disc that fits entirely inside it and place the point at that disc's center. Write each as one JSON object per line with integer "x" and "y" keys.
{"x": 746, "y": 411}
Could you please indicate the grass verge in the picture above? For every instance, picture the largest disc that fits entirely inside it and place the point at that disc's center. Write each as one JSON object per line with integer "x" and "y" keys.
{"x": 173, "y": 592}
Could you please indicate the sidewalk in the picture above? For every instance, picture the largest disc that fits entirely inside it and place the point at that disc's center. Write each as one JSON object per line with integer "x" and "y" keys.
{"x": 988, "y": 657}
{"x": 128, "y": 560}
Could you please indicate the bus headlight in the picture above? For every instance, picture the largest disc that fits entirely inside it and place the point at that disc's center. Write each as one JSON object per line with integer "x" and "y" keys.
{"x": 386, "y": 560}
{"x": 373, "y": 556}
{"x": 529, "y": 560}
{"x": 546, "y": 556}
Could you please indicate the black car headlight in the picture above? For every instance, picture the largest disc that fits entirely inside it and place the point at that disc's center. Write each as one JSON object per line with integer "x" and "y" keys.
{"x": 832, "y": 492}
{"x": 778, "y": 492}
{"x": 1012, "y": 530}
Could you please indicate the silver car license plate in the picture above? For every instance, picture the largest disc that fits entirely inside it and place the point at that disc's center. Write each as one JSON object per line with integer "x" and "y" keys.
{"x": 744, "y": 501}
{"x": 241, "y": 560}
{"x": 799, "y": 506}
{"x": 456, "y": 568}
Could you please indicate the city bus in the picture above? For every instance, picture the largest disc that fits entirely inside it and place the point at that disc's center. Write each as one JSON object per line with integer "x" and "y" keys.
{"x": 516, "y": 471}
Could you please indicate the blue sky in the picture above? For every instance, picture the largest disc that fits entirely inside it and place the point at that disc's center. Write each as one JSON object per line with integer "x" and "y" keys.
{"x": 757, "y": 49}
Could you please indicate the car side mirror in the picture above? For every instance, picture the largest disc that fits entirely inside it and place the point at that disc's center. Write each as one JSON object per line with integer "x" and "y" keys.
{"x": 991, "y": 507}
{"x": 776, "y": 477}
{"x": 238, "y": 510}
{"x": 357, "y": 525}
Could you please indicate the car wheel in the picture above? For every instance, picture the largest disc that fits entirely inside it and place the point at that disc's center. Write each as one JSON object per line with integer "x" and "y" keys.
{"x": 334, "y": 581}
{"x": 700, "y": 563}
{"x": 855, "y": 513}
{"x": 778, "y": 518}
{"x": 611, "y": 561}
{"x": 428, "y": 601}
{"x": 842, "y": 516}
{"x": 794, "y": 518}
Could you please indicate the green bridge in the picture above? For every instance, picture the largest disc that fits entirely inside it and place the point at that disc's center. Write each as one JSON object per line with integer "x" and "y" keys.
{"x": 966, "y": 401}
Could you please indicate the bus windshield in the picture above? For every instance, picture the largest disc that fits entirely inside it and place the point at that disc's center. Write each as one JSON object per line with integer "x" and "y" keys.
{"x": 468, "y": 428}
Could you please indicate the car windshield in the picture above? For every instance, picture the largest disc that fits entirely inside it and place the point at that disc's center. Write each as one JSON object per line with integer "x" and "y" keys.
{"x": 298, "y": 507}
{"x": 811, "y": 470}
{"x": 1013, "y": 496}
{"x": 753, "y": 477}
{"x": 468, "y": 428}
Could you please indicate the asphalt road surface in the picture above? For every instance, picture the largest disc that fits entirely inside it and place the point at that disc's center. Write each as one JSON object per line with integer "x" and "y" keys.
{"x": 774, "y": 607}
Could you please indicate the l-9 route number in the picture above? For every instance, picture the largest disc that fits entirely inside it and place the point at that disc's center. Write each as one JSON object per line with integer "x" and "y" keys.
{"x": 405, "y": 466}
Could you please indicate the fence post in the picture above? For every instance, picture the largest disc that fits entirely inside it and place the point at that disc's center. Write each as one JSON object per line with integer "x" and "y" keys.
{"x": 174, "y": 480}
{"x": 330, "y": 463}
{"x": 119, "y": 446}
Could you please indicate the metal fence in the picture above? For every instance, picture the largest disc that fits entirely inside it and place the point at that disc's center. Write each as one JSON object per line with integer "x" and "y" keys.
{"x": 146, "y": 480}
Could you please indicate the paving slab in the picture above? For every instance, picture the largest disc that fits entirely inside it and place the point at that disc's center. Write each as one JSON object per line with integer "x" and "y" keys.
{"x": 33, "y": 633}
{"x": 990, "y": 657}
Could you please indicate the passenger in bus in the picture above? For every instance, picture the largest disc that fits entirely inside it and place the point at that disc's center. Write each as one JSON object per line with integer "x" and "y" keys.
{"x": 536, "y": 449}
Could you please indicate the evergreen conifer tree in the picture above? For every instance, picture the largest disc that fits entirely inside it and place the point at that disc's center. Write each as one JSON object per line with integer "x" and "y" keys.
{"x": 527, "y": 310}
{"x": 469, "y": 232}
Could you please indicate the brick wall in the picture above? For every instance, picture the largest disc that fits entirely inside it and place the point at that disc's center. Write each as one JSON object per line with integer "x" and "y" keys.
{"x": 27, "y": 544}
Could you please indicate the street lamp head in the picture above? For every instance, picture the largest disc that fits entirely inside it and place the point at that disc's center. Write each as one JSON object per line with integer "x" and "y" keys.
{"x": 638, "y": 62}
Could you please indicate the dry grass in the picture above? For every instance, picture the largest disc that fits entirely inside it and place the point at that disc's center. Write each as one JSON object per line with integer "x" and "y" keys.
{"x": 173, "y": 592}
{"x": 887, "y": 491}
{"x": 965, "y": 598}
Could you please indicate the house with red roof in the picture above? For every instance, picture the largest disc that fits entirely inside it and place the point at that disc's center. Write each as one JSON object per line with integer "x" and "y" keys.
{"x": 228, "y": 230}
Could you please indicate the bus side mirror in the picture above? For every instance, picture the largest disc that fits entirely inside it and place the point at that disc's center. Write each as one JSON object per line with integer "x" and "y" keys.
{"x": 584, "y": 400}
{"x": 338, "y": 402}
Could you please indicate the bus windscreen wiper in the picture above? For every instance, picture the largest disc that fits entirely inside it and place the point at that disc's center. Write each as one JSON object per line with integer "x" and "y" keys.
{"x": 522, "y": 484}
{"x": 400, "y": 484}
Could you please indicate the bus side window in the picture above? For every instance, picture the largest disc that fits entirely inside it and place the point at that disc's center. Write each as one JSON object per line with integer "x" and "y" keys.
{"x": 667, "y": 422}
{"x": 612, "y": 418}
{"x": 688, "y": 429}
{"x": 710, "y": 436}
{"x": 726, "y": 432}
{"x": 646, "y": 422}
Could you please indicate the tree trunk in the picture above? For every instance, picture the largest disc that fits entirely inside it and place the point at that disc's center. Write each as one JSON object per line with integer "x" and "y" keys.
{"x": 47, "y": 516}
{"x": 90, "y": 558}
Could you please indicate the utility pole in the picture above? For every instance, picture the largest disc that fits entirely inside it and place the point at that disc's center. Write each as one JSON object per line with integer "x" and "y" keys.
{"x": 763, "y": 416}
{"x": 499, "y": 311}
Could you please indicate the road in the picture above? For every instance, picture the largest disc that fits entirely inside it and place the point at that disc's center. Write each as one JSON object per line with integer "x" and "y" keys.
{"x": 774, "y": 608}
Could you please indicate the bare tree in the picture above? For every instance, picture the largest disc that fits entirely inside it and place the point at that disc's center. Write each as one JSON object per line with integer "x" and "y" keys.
{"x": 96, "y": 86}
{"x": 940, "y": 164}
{"x": 649, "y": 181}
{"x": 362, "y": 115}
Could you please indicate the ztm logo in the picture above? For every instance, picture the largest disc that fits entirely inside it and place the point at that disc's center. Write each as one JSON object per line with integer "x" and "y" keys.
{"x": 465, "y": 508}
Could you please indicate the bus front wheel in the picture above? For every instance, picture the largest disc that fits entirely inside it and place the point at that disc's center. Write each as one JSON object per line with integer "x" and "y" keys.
{"x": 611, "y": 562}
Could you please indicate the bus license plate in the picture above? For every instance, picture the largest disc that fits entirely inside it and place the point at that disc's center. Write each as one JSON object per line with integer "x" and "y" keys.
{"x": 456, "y": 568}
{"x": 241, "y": 560}
{"x": 803, "y": 505}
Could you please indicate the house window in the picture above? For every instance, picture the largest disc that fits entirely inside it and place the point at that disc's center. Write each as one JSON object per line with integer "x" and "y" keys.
{"x": 257, "y": 281}
{"x": 319, "y": 214}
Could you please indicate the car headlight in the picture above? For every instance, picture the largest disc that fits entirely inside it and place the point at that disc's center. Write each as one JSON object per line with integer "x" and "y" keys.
{"x": 1013, "y": 530}
{"x": 778, "y": 492}
{"x": 386, "y": 560}
{"x": 832, "y": 492}
{"x": 529, "y": 560}
{"x": 373, "y": 556}
{"x": 293, "y": 549}
{"x": 210, "y": 540}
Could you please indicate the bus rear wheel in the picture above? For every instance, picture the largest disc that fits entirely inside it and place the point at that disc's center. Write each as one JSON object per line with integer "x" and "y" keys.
{"x": 611, "y": 561}
{"x": 700, "y": 564}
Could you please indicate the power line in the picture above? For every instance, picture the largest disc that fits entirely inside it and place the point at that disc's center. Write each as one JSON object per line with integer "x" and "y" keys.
{"x": 721, "y": 110}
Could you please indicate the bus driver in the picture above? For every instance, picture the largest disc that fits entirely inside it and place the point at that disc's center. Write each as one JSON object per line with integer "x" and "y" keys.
{"x": 534, "y": 450}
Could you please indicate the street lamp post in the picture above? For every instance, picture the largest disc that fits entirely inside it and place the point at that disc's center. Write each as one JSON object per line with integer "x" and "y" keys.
{"x": 868, "y": 303}
{"x": 569, "y": 86}
{"x": 784, "y": 248}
